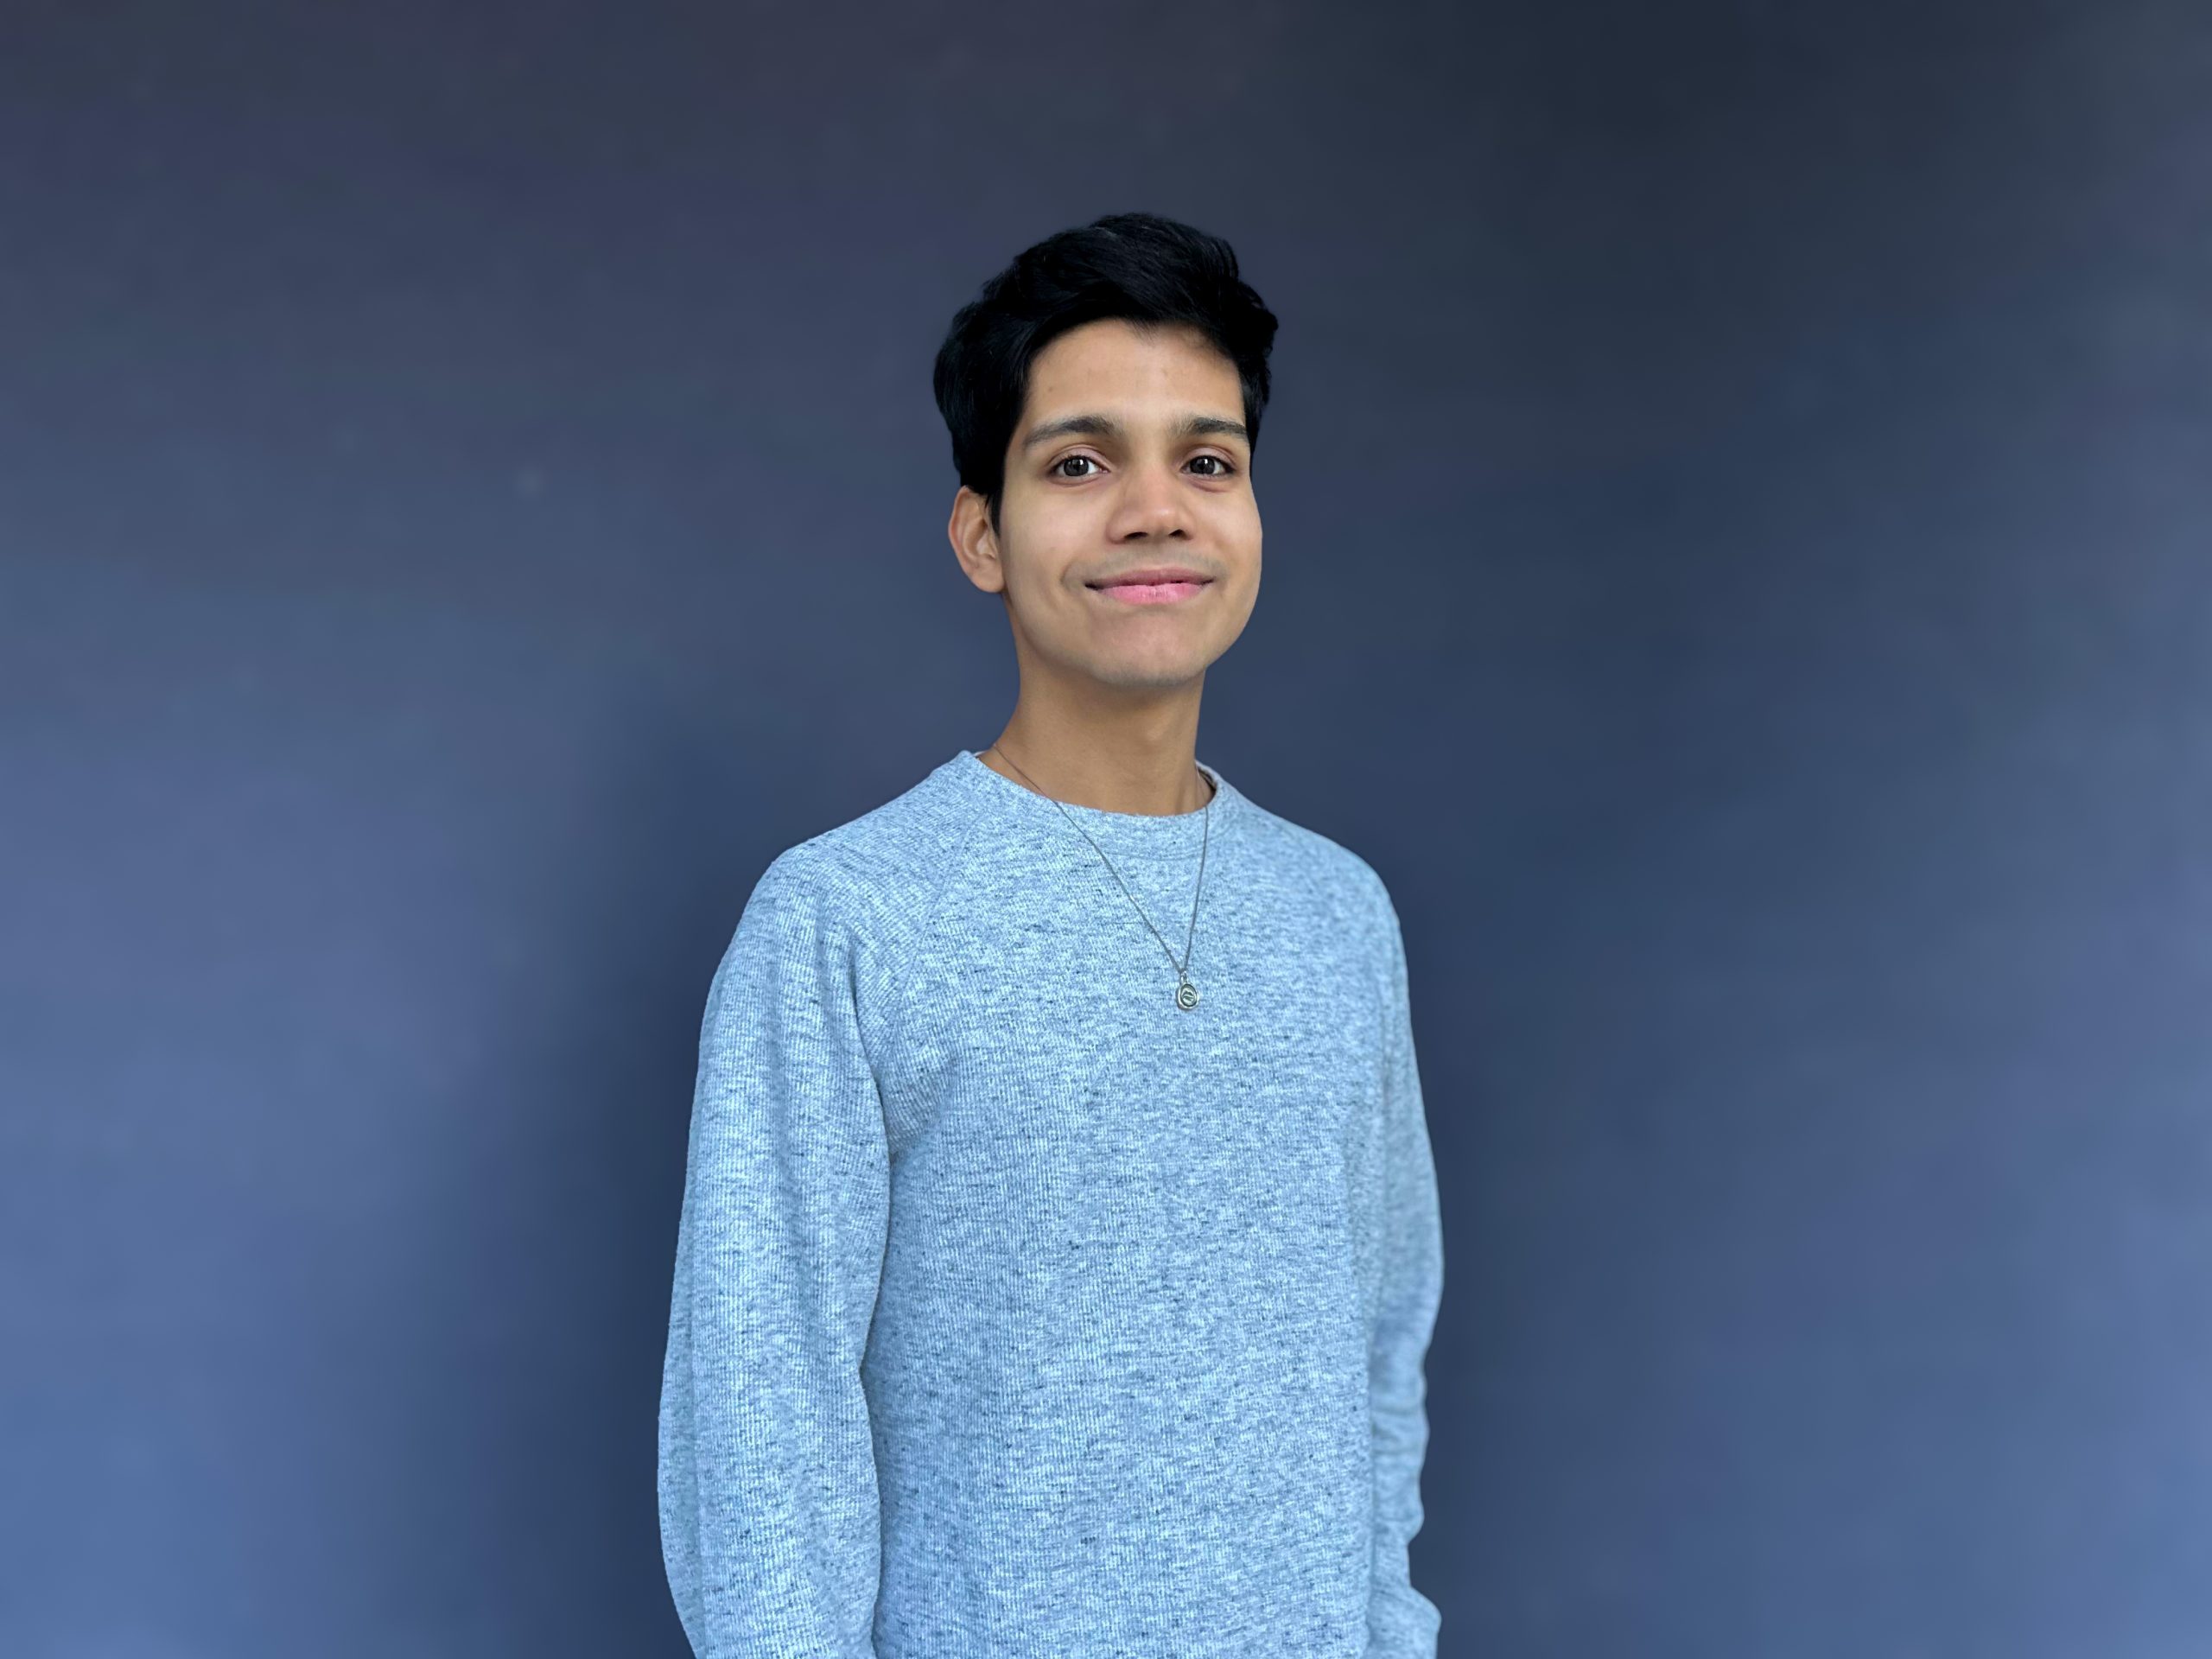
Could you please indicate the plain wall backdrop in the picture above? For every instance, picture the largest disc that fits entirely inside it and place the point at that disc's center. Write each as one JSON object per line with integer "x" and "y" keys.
{"x": 1738, "y": 506}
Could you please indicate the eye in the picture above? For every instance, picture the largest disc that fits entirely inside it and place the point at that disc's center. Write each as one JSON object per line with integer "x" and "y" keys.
{"x": 1228, "y": 468}
{"x": 1065, "y": 460}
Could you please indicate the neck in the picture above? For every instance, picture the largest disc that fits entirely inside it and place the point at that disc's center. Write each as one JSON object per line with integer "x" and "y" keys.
{"x": 1119, "y": 771}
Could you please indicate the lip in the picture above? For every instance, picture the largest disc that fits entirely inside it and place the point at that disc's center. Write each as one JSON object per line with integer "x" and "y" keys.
{"x": 1154, "y": 584}
{"x": 1152, "y": 593}
{"x": 1153, "y": 575}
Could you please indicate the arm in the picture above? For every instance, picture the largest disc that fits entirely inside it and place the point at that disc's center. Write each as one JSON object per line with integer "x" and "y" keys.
{"x": 1402, "y": 1622}
{"x": 769, "y": 1517}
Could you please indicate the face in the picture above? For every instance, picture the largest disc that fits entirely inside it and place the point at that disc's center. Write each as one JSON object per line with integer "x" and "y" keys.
{"x": 1129, "y": 457}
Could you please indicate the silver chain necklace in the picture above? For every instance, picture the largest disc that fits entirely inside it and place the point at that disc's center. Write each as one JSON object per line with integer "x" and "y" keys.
{"x": 1187, "y": 995}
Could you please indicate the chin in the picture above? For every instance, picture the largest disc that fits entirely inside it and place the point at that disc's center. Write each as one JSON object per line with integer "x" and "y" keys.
{"x": 1148, "y": 676}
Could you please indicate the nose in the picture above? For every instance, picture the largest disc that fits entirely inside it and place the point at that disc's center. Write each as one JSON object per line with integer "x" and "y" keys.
{"x": 1151, "y": 505}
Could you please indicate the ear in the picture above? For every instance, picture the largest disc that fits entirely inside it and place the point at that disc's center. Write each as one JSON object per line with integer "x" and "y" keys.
{"x": 975, "y": 544}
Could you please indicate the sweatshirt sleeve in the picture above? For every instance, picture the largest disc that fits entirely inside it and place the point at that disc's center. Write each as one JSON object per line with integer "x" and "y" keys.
{"x": 769, "y": 1517}
{"x": 1402, "y": 1622}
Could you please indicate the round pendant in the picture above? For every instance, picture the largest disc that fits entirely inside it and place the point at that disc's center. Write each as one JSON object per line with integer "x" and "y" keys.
{"x": 1186, "y": 995}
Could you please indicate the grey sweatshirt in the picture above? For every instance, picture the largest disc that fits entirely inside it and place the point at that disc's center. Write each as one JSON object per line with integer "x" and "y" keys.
{"x": 1020, "y": 1312}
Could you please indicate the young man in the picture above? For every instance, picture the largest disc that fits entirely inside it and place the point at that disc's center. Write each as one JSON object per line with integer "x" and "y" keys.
{"x": 1060, "y": 1247}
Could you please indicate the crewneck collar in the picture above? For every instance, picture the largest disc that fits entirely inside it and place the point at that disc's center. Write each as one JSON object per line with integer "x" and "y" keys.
{"x": 1140, "y": 834}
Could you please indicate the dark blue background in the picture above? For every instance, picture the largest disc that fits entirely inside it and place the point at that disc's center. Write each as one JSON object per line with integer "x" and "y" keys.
{"x": 1737, "y": 505}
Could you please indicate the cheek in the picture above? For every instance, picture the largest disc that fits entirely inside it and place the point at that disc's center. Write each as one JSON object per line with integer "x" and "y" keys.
{"x": 1240, "y": 526}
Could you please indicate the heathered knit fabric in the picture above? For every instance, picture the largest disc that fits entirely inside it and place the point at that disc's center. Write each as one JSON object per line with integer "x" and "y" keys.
{"x": 1018, "y": 1313}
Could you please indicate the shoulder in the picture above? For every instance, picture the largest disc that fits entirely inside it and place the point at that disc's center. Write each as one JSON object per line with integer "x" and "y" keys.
{"x": 870, "y": 879}
{"x": 835, "y": 921}
{"x": 1354, "y": 888}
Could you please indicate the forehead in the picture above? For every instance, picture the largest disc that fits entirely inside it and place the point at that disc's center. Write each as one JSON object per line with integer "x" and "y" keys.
{"x": 1115, "y": 362}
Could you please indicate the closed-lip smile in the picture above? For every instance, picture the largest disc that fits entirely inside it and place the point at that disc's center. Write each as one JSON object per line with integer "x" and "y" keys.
{"x": 1152, "y": 584}
{"x": 1152, "y": 574}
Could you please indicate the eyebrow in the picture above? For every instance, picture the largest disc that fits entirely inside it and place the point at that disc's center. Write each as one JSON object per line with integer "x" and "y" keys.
{"x": 1104, "y": 426}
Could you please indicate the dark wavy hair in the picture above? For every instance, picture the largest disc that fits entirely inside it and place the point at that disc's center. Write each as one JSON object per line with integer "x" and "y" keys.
{"x": 1149, "y": 270}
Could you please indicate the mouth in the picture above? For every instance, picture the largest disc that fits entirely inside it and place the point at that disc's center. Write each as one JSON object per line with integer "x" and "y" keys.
{"x": 1155, "y": 586}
